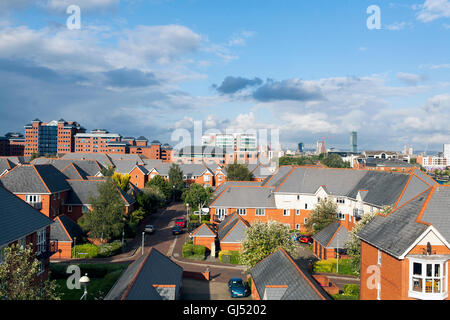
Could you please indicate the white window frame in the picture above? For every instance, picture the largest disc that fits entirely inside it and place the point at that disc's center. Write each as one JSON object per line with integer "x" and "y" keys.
{"x": 207, "y": 178}
{"x": 286, "y": 212}
{"x": 424, "y": 278}
{"x": 221, "y": 213}
{"x": 306, "y": 206}
{"x": 69, "y": 208}
{"x": 340, "y": 216}
{"x": 259, "y": 214}
{"x": 297, "y": 212}
{"x": 241, "y": 211}
{"x": 379, "y": 257}
{"x": 41, "y": 240}
{"x": 297, "y": 226}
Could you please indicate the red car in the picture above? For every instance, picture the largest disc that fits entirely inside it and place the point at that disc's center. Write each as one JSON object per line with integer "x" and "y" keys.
{"x": 180, "y": 221}
{"x": 305, "y": 239}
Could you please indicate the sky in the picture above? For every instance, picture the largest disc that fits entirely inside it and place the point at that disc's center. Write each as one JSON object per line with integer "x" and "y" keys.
{"x": 304, "y": 69}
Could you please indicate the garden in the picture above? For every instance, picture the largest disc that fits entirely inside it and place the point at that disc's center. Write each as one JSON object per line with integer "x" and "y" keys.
{"x": 102, "y": 278}
{"x": 194, "y": 252}
{"x": 330, "y": 266}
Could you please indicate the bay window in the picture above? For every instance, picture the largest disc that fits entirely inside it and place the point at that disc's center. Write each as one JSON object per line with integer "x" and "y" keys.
{"x": 428, "y": 278}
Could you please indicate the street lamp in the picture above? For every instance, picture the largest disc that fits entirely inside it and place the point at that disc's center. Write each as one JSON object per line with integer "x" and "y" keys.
{"x": 84, "y": 280}
{"x": 143, "y": 236}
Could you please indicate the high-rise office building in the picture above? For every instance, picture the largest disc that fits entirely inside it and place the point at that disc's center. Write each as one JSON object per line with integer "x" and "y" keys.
{"x": 320, "y": 147}
{"x": 301, "y": 147}
{"x": 354, "y": 142}
{"x": 447, "y": 151}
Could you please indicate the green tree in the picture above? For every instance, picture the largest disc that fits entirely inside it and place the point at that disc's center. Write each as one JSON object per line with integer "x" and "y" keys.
{"x": 353, "y": 246}
{"x": 35, "y": 155}
{"x": 176, "y": 181}
{"x": 323, "y": 214}
{"x": 105, "y": 221}
{"x": 298, "y": 161}
{"x": 122, "y": 180}
{"x": 262, "y": 239}
{"x": 19, "y": 276}
{"x": 334, "y": 161}
{"x": 156, "y": 197}
{"x": 108, "y": 172}
{"x": 238, "y": 172}
{"x": 197, "y": 196}
{"x": 162, "y": 185}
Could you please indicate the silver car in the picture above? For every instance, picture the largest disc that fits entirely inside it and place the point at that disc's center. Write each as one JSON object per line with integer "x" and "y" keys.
{"x": 149, "y": 228}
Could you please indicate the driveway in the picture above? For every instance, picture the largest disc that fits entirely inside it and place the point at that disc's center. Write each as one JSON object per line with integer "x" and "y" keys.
{"x": 204, "y": 290}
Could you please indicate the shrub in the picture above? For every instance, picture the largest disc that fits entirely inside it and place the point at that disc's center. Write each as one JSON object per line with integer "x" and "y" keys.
{"x": 329, "y": 266}
{"x": 110, "y": 249}
{"x": 194, "y": 218}
{"x": 192, "y": 251}
{"x": 351, "y": 290}
{"x": 187, "y": 250}
{"x": 199, "y": 250}
{"x": 206, "y": 218}
{"x": 91, "y": 250}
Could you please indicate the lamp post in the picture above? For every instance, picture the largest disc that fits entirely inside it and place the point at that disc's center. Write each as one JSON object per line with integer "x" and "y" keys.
{"x": 187, "y": 212}
{"x": 143, "y": 237}
{"x": 84, "y": 280}
{"x": 337, "y": 253}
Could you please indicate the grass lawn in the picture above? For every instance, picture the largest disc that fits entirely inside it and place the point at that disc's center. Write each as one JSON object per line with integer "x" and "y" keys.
{"x": 329, "y": 266}
{"x": 102, "y": 278}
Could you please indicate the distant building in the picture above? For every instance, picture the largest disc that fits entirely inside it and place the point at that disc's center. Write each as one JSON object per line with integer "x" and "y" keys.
{"x": 447, "y": 151}
{"x": 52, "y": 138}
{"x": 301, "y": 147}
{"x": 320, "y": 147}
{"x": 354, "y": 142}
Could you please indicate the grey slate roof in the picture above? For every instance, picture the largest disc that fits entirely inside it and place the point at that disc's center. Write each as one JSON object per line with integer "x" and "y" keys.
{"x": 326, "y": 234}
{"x": 234, "y": 232}
{"x": 125, "y": 166}
{"x": 82, "y": 190}
{"x": 138, "y": 280}
{"x": 415, "y": 187}
{"x": 17, "y": 218}
{"x": 189, "y": 169}
{"x": 278, "y": 270}
{"x": 226, "y": 184}
{"x": 34, "y": 179}
{"x": 278, "y": 177}
{"x": 437, "y": 211}
{"x": 204, "y": 230}
{"x": 85, "y": 167}
{"x": 376, "y": 162}
{"x": 102, "y": 158}
{"x": 5, "y": 164}
{"x": 62, "y": 224}
{"x": 384, "y": 188}
{"x": 245, "y": 197}
{"x": 397, "y": 231}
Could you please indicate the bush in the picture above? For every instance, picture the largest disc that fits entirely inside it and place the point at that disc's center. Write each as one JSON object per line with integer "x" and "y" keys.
{"x": 91, "y": 250}
{"x": 194, "y": 218}
{"x": 192, "y": 251}
{"x": 110, "y": 249}
{"x": 351, "y": 290}
{"x": 206, "y": 218}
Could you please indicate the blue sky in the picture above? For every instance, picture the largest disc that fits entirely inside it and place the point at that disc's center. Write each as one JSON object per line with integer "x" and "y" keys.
{"x": 306, "y": 68}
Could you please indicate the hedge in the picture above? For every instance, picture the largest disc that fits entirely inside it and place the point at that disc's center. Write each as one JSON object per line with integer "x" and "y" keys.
{"x": 91, "y": 250}
{"x": 234, "y": 256}
{"x": 351, "y": 290}
{"x": 58, "y": 270}
{"x": 192, "y": 251}
{"x": 110, "y": 249}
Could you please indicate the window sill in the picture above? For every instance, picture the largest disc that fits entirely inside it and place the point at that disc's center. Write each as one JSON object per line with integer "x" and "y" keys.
{"x": 427, "y": 296}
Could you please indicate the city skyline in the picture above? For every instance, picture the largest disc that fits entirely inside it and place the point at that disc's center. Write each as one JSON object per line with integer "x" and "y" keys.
{"x": 149, "y": 68}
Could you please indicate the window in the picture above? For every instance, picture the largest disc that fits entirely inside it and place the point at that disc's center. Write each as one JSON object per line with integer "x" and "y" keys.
{"x": 305, "y": 221}
{"x": 22, "y": 243}
{"x": 69, "y": 208}
{"x": 241, "y": 211}
{"x": 220, "y": 178}
{"x": 286, "y": 212}
{"x": 379, "y": 258}
{"x": 297, "y": 212}
{"x": 340, "y": 216}
{"x": 306, "y": 206}
{"x": 41, "y": 241}
{"x": 298, "y": 197}
{"x": 340, "y": 200}
{"x": 428, "y": 279}
{"x": 260, "y": 212}
{"x": 207, "y": 178}
{"x": 297, "y": 226}
{"x": 33, "y": 198}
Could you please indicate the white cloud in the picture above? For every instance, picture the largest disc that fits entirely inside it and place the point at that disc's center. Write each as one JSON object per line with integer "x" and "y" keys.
{"x": 434, "y": 9}
{"x": 410, "y": 78}
{"x": 397, "y": 26}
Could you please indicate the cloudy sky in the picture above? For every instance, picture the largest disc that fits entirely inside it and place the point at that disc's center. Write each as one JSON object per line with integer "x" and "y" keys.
{"x": 309, "y": 69}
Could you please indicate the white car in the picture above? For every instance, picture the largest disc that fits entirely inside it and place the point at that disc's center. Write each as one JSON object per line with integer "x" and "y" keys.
{"x": 149, "y": 228}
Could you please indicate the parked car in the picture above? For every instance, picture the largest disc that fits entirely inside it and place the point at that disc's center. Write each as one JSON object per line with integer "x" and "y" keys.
{"x": 180, "y": 221}
{"x": 149, "y": 228}
{"x": 305, "y": 239}
{"x": 237, "y": 288}
{"x": 177, "y": 230}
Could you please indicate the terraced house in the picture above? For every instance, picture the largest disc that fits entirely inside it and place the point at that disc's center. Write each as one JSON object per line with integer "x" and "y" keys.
{"x": 289, "y": 195}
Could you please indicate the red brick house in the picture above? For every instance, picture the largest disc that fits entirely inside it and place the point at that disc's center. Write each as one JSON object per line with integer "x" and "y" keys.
{"x": 330, "y": 241}
{"x": 64, "y": 233}
{"x": 22, "y": 224}
{"x": 205, "y": 235}
{"x": 405, "y": 255}
{"x": 42, "y": 186}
